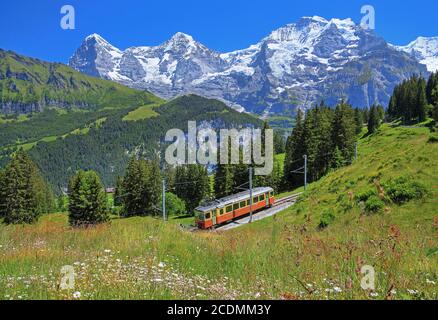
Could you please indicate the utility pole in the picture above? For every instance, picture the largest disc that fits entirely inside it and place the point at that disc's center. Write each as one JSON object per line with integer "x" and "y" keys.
{"x": 305, "y": 172}
{"x": 250, "y": 194}
{"x": 164, "y": 199}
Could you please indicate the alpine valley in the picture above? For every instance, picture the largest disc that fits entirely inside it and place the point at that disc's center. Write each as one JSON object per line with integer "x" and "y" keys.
{"x": 297, "y": 65}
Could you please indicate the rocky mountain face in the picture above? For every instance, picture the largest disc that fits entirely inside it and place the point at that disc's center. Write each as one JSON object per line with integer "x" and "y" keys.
{"x": 425, "y": 50}
{"x": 294, "y": 67}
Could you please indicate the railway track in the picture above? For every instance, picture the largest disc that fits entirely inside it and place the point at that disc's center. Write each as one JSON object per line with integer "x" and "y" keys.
{"x": 291, "y": 198}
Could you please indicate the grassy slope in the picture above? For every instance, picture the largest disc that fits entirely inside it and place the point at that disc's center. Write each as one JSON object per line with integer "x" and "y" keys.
{"x": 141, "y": 113}
{"x": 281, "y": 257}
{"x": 28, "y": 80}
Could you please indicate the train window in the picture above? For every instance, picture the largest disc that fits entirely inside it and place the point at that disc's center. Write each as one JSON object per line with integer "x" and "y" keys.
{"x": 200, "y": 215}
{"x": 262, "y": 197}
{"x": 229, "y": 209}
{"x": 207, "y": 215}
{"x": 255, "y": 199}
{"x": 235, "y": 206}
{"x": 243, "y": 204}
{"x": 221, "y": 211}
{"x": 248, "y": 202}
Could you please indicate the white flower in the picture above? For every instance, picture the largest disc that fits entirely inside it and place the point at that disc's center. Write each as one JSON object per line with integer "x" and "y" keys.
{"x": 374, "y": 294}
{"x": 412, "y": 292}
{"x": 107, "y": 251}
{"x": 76, "y": 295}
{"x": 337, "y": 289}
{"x": 158, "y": 280}
{"x": 161, "y": 265}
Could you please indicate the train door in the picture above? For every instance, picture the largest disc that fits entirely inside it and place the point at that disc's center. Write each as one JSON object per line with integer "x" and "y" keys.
{"x": 267, "y": 199}
{"x": 213, "y": 216}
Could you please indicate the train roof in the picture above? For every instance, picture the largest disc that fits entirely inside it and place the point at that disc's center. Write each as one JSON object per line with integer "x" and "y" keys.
{"x": 219, "y": 203}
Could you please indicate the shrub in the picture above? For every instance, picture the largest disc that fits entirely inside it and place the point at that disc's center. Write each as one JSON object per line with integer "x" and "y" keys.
{"x": 174, "y": 205}
{"x": 403, "y": 189}
{"x": 364, "y": 195}
{"x": 374, "y": 204}
{"x": 327, "y": 218}
{"x": 433, "y": 139}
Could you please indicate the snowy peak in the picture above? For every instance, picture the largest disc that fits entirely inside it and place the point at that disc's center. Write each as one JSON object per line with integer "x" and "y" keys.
{"x": 295, "y": 66}
{"x": 425, "y": 50}
{"x": 181, "y": 37}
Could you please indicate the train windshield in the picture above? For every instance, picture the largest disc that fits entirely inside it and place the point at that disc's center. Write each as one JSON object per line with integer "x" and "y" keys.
{"x": 199, "y": 215}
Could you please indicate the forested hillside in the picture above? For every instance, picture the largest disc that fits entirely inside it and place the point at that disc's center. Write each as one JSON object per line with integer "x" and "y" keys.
{"x": 68, "y": 121}
{"x": 105, "y": 140}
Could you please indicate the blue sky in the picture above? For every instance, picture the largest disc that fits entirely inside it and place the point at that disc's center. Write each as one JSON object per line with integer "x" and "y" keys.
{"x": 33, "y": 27}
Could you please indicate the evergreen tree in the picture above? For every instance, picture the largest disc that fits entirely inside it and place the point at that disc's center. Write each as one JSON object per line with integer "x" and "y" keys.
{"x": 23, "y": 192}
{"x": 295, "y": 149}
{"x": 87, "y": 200}
{"x": 192, "y": 184}
{"x": 432, "y": 83}
{"x": 374, "y": 120}
{"x": 343, "y": 134}
{"x": 358, "y": 119}
{"x": 223, "y": 181}
{"x": 421, "y": 103}
{"x": 132, "y": 187}
{"x": 153, "y": 188}
{"x": 141, "y": 188}
{"x": 118, "y": 194}
{"x": 410, "y": 99}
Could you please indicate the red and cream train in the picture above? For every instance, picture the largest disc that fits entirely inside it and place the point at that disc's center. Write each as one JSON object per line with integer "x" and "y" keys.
{"x": 229, "y": 208}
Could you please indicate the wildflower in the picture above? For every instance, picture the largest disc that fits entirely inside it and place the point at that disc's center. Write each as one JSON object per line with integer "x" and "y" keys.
{"x": 76, "y": 295}
{"x": 412, "y": 292}
{"x": 107, "y": 251}
{"x": 374, "y": 294}
{"x": 337, "y": 289}
{"x": 161, "y": 265}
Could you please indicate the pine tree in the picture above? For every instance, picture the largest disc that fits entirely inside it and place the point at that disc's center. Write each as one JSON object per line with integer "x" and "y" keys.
{"x": 374, "y": 120}
{"x": 295, "y": 149}
{"x": 153, "y": 187}
{"x": 24, "y": 193}
{"x": 223, "y": 181}
{"x": 192, "y": 184}
{"x": 432, "y": 83}
{"x": 87, "y": 200}
{"x": 118, "y": 194}
{"x": 421, "y": 103}
{"x": 343, "y": 132}
{"x": 358, "y": 119}
{"x": 133, "y": 183}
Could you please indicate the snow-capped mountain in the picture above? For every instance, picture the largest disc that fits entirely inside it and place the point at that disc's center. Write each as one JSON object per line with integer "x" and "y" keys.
{"x": 295, "y": 66}
{"x": 425, "y": 50}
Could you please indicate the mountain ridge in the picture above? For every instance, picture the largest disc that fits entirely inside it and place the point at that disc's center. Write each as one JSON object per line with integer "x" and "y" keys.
{"x": 294, "y": 66}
